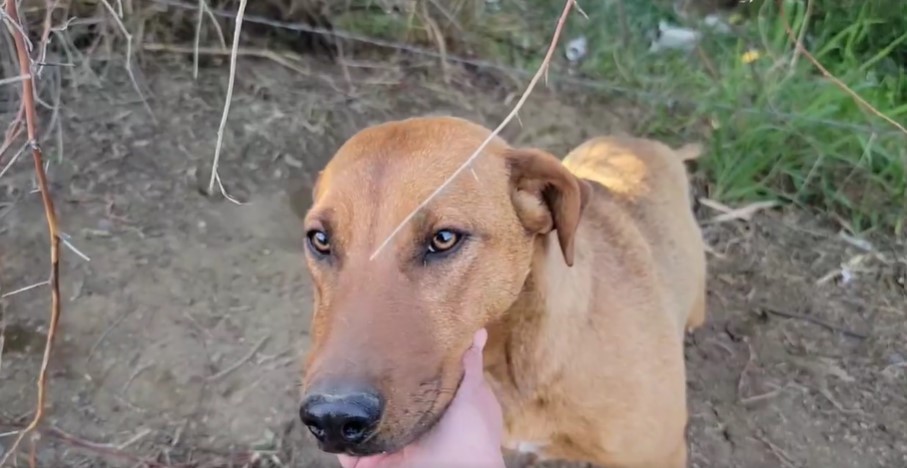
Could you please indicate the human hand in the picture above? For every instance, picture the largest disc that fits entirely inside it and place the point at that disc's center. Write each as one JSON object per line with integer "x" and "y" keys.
{"x": 468, "y": 434}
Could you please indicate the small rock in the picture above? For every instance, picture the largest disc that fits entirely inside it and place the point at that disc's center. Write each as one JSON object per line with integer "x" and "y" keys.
{"x": 576, "y": 49}
{"x": 674, "y": 37}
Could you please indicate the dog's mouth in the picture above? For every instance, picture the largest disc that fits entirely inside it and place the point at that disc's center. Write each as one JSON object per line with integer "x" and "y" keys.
{"x": 432, "y": 416}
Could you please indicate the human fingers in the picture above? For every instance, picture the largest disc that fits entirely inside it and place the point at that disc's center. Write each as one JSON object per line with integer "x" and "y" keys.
{"x": 473, "y": 367}
{"x": 347, "y": 461}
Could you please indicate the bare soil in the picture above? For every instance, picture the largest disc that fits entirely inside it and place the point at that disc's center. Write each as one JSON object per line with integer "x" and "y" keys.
{"x": 181, "y": 336}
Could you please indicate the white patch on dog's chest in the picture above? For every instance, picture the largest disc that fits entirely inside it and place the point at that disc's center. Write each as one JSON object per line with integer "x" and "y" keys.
{"x": 529, "y": 447}
{"x": 522, "y": 446}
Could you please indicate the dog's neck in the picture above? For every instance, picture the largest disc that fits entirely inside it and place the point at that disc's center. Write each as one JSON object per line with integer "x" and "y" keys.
{"x": 553, "y": 299}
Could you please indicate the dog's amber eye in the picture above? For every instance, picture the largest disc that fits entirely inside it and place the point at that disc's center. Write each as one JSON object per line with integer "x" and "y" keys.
{"x": 319, "y": 242}
{"x": 443, "y": 241}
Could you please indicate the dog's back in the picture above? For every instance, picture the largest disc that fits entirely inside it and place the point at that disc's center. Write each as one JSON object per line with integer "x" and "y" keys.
{"x": 646, "y": 181}
{"x": 612, "y": 335}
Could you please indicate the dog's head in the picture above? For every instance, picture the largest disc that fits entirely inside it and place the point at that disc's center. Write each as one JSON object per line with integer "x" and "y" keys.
{"x": 393, "y": 318}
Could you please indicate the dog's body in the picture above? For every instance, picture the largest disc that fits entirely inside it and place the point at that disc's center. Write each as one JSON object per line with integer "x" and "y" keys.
{"x": 585, "y": 347}
{"x": 588, "y": 364}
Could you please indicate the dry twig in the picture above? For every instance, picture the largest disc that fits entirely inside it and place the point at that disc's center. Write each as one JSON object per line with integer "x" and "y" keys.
{"x": 542, "y": 71}
{"x": 31, "y": 123}
{"x": 117, "y": 17}
{"x": 13, "y": 79}
{"x": 280, "y": 59}
{"x": 780, "y": 454}
{"x": 801, "y": 36}
{"x": 223, "y": 121}
{"x": 241, "y": 361}
{"x": 2, "y": 338}
{"x": 816, "y": 320}
{"x": 24, "y": 289}
{"x": 202, "y": 10}
{"x": 741, "y": 380}
{"x": 798, "y": 43}
{"x": 12, "y": 131}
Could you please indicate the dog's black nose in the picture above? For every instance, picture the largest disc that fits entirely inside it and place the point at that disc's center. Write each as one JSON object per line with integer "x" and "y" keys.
{"x": 341, "y": 421}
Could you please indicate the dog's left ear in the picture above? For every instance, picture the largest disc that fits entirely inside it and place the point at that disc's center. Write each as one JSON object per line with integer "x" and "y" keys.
{"x": 547, "y": 196}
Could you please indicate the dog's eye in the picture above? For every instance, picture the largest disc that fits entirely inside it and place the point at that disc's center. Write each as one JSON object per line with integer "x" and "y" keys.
{"x": 319, "y": 242}
{"x": 443, "y": 241}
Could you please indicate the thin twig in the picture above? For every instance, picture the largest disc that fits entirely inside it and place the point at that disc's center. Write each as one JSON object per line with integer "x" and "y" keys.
{"x": 840, "y": 84}
{"x": 135, "y": 374}
{"x": 783, "y": 457}
{"x": 237, "y": 31}
{"x": 31, "y": 122}
{"x": 198, "y": 37}
{"x": 13, "y": 159}
{"x": 128, "y": 36}
{"x": 801, "y": 36}
{"x": 45, "y": 36}
{"x": 243, "y": 52}
{"x": 741, "y": 380}
{"x": 217, "y": 29}
{"x": 134, "y": 439}
{"x": 14, "y": 79}
{"x": 478, "y": 152}
{"x": 202, "y": 10}
{"x": 241, "y": 361}
{"x": 106, "y": 332}
{"x": 103, "y": 449}
{"x": 2, "y": 341}
{"x": 23, "y": 289}
{"x": 12, "y": 131}
{"x": 65, "y": 238}
{"x": 815, "y": 320}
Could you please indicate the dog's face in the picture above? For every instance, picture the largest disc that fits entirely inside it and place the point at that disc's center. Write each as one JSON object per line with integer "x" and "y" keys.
{"x": 392, "y": 318}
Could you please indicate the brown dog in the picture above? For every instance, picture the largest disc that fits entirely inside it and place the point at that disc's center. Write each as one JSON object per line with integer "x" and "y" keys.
{"x": 585, "y": 273}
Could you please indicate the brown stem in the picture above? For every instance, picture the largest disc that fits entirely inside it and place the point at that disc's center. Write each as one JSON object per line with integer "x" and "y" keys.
{"x": 31, "y": 125}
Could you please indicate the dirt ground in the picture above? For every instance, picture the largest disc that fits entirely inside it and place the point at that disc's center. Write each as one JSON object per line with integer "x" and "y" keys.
{"x": 180, "y": 337}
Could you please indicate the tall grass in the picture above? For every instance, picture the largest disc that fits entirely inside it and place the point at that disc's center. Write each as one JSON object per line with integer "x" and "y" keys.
{"x": 778, "y": 128}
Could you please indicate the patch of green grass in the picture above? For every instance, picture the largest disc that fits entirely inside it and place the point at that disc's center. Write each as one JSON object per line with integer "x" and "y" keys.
{"x": 777, "y": 128}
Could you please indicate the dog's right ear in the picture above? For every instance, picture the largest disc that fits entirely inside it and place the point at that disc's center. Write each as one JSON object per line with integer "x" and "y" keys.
{"x": 547, "y": 196}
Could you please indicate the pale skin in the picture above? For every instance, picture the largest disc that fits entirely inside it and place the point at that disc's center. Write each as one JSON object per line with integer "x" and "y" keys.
{"x": 469, "y": 433}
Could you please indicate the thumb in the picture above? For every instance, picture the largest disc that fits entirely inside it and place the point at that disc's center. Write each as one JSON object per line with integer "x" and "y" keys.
{"x": 347, "y": 461}
{"x": 473, "y": 366}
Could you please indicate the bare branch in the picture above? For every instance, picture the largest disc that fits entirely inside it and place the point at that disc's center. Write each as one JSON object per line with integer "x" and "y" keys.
{"x": 223, "y": 121}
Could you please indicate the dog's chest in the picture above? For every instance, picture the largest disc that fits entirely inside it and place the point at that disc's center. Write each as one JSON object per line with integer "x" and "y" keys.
{"x": 525, "y": 447}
